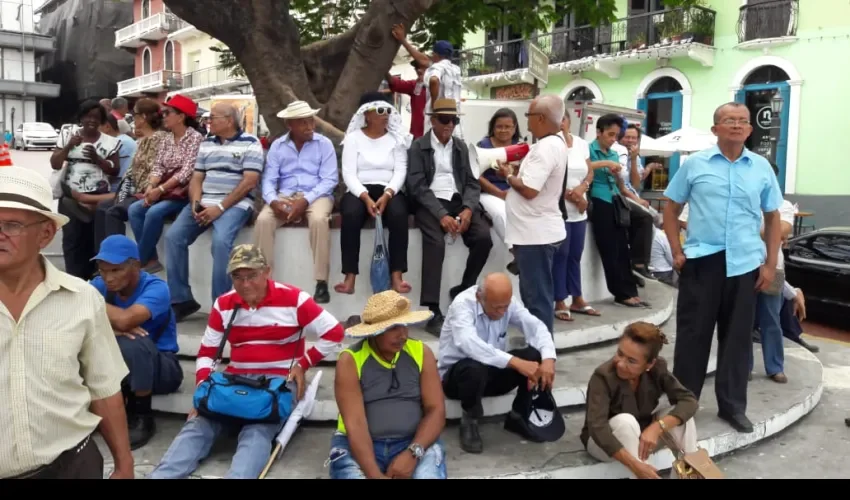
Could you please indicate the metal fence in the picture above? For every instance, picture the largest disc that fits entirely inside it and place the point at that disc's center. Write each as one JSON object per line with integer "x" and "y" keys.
{"x": 773, "y": 19}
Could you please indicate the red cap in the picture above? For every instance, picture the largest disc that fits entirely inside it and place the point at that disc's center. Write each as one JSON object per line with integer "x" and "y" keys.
{"x": 183, "y": 104}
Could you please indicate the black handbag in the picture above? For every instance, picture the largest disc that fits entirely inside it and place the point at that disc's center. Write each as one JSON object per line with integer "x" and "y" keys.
{"x": 622, "y": 214}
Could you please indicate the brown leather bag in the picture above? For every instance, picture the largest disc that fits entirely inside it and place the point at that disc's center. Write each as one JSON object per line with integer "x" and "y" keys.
{"x": 696, "y": 465}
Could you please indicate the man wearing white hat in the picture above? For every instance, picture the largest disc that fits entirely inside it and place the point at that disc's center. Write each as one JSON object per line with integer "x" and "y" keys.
{"x": 299, "y": 180}
{"x": 60, "y": 366}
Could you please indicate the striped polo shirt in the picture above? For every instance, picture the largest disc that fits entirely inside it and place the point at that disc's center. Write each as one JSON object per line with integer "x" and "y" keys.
{"x": 224, "y": 163}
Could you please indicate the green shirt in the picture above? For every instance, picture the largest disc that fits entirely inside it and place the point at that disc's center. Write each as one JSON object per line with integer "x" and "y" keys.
{"x": 604, "y": 184}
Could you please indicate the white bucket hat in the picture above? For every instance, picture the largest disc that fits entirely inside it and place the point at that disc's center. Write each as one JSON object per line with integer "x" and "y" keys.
{"x": 296, "y": 110}
{"x": 24, "y": 189}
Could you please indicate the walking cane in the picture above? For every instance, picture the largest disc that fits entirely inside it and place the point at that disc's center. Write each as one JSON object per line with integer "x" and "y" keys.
{"x": 275, "y": 453}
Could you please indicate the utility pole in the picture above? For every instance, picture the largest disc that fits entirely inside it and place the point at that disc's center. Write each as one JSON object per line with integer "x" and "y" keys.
{"x": 23, "y": 54}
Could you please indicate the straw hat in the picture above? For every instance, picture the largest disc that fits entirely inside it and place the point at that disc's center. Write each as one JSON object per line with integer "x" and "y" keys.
{"x": 296, "y": 110}
{"x": 25, "y": 189}
{"x": 445, "y": 107}
{"x": 384, "y": 311}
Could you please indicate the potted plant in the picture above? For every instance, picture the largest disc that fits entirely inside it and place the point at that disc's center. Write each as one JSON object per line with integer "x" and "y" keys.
{"x": 674, "y": 25}
{"x": 702, "y": 26}
{"x": 639, "y": 41}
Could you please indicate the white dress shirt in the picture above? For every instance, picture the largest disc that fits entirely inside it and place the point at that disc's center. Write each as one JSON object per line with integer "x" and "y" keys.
{"x": 469, "y": 333}
{"x": 443, "y": 184}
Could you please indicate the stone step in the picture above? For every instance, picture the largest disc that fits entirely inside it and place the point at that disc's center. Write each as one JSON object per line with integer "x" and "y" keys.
{"x": 572, "y": 372}
{"x": 772, "y": 408}
{"x": 583, "y": 331}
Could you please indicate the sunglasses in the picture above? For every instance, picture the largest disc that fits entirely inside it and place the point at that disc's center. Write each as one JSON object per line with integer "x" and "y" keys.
{"x": 382, "y": 111}
{"x": 447, "y": 119}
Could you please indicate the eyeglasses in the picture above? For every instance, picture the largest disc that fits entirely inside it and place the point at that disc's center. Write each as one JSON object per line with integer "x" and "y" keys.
{"x": 12, "y": 228}
{"x": 732, "y": 121}
{"x": 382, "y": 111}
{"x": 448, "y": 119}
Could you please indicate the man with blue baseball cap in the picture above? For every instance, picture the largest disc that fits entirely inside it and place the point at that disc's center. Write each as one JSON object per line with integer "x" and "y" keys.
{"x": 139, "y": 308}
{"x": 443, "y": 81}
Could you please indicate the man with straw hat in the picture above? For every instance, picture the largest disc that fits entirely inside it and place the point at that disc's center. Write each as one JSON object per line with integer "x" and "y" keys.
{"x": 60, "y": 366}
{"x": 390, "y": 400}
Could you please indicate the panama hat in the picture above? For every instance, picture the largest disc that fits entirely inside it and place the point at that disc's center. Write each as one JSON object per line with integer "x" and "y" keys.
{"x": 384, "y": 311}
{"x": 445, "y": 107}
{"x": 25, "y": 189}
{"x": 296, "y": 110}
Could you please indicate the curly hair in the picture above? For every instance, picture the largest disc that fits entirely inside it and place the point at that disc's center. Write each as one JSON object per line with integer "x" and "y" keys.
{"x": 647, "y": 335}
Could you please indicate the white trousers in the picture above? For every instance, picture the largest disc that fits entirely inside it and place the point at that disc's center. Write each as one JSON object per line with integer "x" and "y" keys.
{"x": 495, "y": 208}
{"x": 627, "y": 430}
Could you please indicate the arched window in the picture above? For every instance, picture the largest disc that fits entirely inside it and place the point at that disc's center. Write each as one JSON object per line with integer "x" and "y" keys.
{"x": 766, "y": 74}
{"x": 169, "y": 56}
{"x": 664, "y": 84}
{"x": 146, "y": 9}
{"x": 581, "y": 94}
{"x": 146, "y": 61}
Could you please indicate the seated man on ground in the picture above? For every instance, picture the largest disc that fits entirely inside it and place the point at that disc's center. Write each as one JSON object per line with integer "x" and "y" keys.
{"x": 473, "y": 363}
{"x": 623, "y": 421}
{"x": 267, "y": 338}
{"x": 392, "y": 408}
{"x": 139, "y": 308}
{"x": 661, "y": 259}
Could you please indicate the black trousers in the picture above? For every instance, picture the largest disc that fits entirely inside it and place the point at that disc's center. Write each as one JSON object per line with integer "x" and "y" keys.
{"x": 471, "y": 381}
{"x": 354, "y": 215}
{"x": 476, "y": 238}
{"x": 640, "y": 235}
{"x": 110, "y": 218}
{"x": 707, "y": 297}
{"x": 78, "y": 245}
{"x": 151, "y": 370}
{"x": 84, "y": 461}
{"x": 612, "y": 242}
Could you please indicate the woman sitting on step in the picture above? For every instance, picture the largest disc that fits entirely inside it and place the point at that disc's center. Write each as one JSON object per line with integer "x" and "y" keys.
{"x": 623, "y": 421}
{"x": 390, "y": 399}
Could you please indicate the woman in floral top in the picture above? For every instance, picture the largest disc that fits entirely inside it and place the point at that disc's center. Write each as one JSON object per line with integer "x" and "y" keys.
{"x": 112, "y": 214}
{"x": 167, "y": 191}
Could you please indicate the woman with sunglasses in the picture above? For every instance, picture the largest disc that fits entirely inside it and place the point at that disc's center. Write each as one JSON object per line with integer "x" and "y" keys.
{"x": 374, "y": 169}
{"x": 167, "y": 190}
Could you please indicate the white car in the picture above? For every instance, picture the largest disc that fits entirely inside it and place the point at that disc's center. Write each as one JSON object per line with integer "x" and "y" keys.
{"x": 35, "y": 135}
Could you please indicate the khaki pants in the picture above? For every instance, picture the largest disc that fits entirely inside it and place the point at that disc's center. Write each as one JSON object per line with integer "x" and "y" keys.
{"x": 627, "y": 430}
{"x": 318, "y": 217}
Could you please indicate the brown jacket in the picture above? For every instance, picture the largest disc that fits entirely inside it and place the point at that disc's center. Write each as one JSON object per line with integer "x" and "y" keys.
{"x": 608, "y": 396}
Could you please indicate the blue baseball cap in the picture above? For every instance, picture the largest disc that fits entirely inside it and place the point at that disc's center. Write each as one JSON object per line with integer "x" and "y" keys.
{"x": 117, "y": 249}
{"x": 443, "y": 48}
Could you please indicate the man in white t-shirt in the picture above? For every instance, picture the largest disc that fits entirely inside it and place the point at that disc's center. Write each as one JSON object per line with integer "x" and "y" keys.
{"x": 535, "y": 224}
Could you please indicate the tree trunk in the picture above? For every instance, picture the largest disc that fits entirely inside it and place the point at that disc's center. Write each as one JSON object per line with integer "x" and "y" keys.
{"x": 330, "y": 74}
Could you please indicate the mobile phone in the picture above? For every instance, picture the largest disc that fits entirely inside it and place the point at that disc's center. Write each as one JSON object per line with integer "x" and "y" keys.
{"x": 198, "y": 207}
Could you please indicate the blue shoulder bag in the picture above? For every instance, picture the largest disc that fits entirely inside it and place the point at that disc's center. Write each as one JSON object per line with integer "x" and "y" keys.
{"x": 380, "y": 272}
{"x": 241, "y": 400}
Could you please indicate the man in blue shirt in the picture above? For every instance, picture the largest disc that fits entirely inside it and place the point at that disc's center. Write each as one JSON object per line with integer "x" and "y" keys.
{"x": 139, "y": 308}
{"x": 724, "y": 262}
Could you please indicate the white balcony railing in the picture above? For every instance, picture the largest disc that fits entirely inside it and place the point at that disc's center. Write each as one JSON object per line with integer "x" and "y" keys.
{"x": 156, "y": 26}
{"x": 158, "y": 81}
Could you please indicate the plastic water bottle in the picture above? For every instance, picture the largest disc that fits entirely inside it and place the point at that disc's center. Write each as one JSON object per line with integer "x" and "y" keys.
{"x": 451, "y": 238}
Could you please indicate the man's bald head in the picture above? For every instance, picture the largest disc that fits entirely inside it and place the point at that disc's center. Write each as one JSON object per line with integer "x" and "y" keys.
{"x": 107, "y": 104}
{"x": 494, "y": 295}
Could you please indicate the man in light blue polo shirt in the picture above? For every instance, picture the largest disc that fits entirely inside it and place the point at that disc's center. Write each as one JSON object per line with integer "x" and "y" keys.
{"x": 139, "y": 308}
{"x": 724, "y": 262}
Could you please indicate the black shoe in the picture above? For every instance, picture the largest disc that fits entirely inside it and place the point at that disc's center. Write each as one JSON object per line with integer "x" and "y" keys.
{"x": 141, "y": 429}
{"x": 644, "y": 272}
{"x": 322, "y": 296}
{"x": 756, "y": 337}
{"x": 738, "y": 421}
{"x": 513, "y": 268}
{"x": 435, "y": 324}
{"x": 455, "y": 291}
{"x": 470, "y": 438}
{"x": 811, "y": 348}
{"x": 183, "y": 310}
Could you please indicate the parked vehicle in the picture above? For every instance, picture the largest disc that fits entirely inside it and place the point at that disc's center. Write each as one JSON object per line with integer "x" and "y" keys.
{"x": 819, "y": 264}
{"x": 31, "y": 135}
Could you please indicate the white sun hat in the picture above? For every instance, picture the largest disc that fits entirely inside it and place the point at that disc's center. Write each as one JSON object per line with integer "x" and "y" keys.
{"x": 296, "y": 110}
{"x": 24, "y": 189}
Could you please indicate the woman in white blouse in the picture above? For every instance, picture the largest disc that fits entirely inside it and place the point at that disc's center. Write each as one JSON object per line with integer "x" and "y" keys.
{"x": 374, "y": 168}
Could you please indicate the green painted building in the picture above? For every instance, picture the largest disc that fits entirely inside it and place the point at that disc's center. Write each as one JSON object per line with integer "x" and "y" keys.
{"x": 786, "y": 59}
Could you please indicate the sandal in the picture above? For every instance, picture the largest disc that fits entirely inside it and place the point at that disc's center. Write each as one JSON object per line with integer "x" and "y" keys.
{"x": 563, "y": 315}
{"x": 586, "y": 310}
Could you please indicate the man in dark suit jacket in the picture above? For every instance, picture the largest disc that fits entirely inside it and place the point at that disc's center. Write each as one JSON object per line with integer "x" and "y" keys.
{"x": 445, "y": 197}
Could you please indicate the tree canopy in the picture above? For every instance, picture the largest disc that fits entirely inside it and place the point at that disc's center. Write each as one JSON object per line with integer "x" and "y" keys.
{"x": 329, "y": 52}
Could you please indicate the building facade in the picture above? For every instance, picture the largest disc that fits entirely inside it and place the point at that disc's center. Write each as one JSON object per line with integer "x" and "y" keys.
{"x": 779, "y": 57}
{"x": 158, "y": 64}
{"x": 21, "y": 94}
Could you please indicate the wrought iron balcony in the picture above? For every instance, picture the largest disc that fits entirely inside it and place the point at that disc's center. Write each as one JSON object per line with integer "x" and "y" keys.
{"x": 772, "y": 19}
{"x": 690, "y": 24}
{"x": 156, "y": 82}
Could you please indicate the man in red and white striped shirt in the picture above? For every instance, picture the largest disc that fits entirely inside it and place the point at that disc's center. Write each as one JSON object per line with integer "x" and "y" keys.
{"x": 267, "y": 338}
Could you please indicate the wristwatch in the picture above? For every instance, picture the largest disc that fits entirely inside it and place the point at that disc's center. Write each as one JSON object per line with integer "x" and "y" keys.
{"x": 220, "y": 206}
{"x": 662, "y": 425}
{"x": 416, "y": 450}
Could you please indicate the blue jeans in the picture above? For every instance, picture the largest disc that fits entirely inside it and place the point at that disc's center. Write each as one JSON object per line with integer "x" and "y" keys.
{"x": 183, "y": 233}
{"x": 566, "y": 266}
{"x": 197, "y": 437}
{"x": 147, "y": 224}
{"x": 343, "y": 466}
{"x": 536, "y": 286}
{"x": 768, "y": 308}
